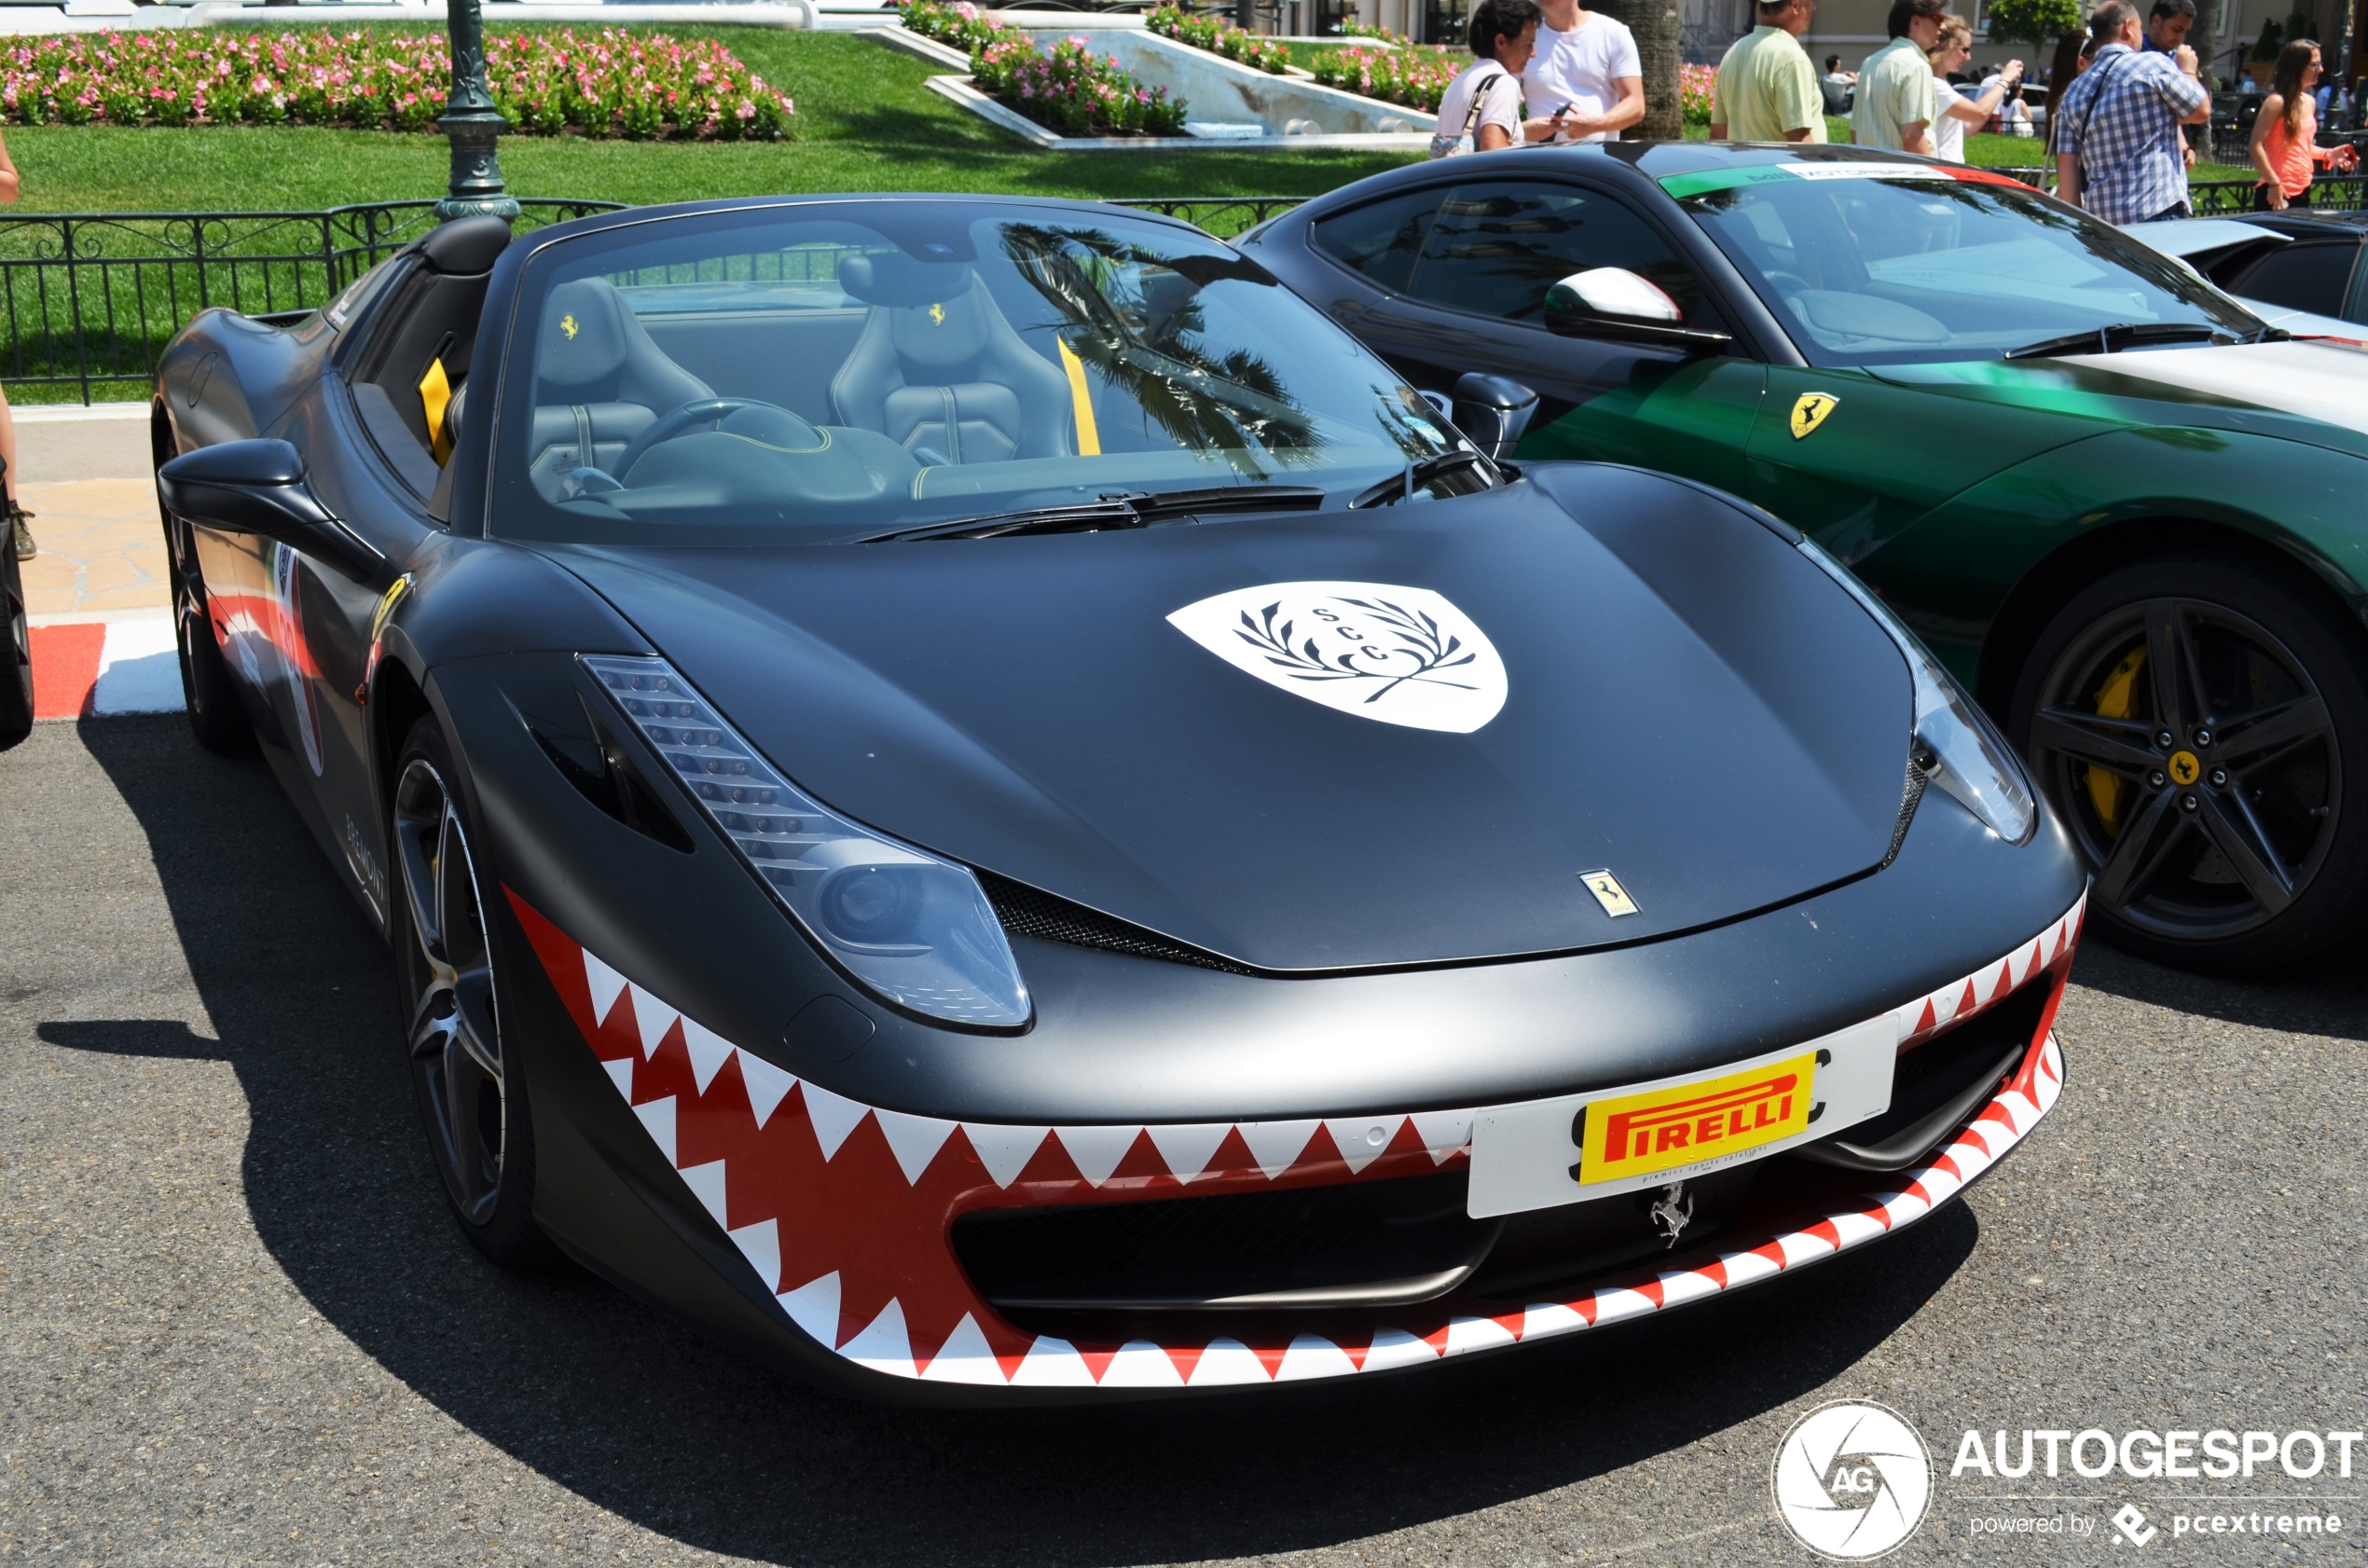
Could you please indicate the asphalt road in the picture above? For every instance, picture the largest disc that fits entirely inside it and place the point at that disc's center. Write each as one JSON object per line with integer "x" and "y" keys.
{"x": 236, "y": 1326}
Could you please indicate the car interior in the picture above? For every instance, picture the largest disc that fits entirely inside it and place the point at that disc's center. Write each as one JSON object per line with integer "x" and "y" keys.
{"x": 786, "y": 392}
{"x": 406, "y": 375}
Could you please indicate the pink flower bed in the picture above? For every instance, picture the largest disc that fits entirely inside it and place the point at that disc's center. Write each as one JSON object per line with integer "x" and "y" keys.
{"x": 609, "y": 83}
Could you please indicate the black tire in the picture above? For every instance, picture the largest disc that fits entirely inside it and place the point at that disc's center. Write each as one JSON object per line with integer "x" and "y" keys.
{"x": 216, "y": 716}
{"x": 16, "y": 651}
{"x": 471, "y": 1098}
{"x": 2223, "y": 811}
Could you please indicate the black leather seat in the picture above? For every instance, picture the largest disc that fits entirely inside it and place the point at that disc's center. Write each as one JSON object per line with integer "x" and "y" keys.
{"x": 941, "y": 372}
{"x": 599, "y": 382}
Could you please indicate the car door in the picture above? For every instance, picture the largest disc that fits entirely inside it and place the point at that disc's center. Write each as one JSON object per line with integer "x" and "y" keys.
{"x": 323, "y": 618}
{"x": 1458, "y": 274}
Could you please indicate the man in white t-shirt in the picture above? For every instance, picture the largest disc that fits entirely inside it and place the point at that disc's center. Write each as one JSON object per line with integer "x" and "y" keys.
{"x": 1585, "y": 74}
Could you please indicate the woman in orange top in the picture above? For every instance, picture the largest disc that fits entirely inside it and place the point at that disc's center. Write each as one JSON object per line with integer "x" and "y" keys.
{"x": 2285, "y": 132}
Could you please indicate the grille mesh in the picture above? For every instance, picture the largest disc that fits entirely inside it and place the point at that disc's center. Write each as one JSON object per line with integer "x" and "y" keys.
{"x": 1028, "y": 912}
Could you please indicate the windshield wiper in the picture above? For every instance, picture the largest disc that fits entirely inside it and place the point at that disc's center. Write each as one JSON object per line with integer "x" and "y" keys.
{"x": 1131, "y": 510}
{"x": 1402, "y": 485}
{"x": 2121, "y": 335}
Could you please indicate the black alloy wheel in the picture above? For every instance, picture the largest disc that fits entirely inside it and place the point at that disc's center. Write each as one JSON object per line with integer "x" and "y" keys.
{"x": 16, "y": 651}
{"x": 472, "y": 1104}
{"x": 2201, "y": 726}
{"x": 212, "y": 702}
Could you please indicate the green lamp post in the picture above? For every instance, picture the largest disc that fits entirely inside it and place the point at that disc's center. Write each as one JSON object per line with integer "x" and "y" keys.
{"x": 472, "y": 124}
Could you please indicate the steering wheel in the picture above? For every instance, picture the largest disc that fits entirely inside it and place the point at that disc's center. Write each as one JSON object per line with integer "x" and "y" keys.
{"x": 1798, "y": 285}
{"x": 698, "y": 410}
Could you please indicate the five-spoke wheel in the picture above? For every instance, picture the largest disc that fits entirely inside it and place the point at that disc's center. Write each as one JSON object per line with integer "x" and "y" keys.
{"x": 470, "y": 1100}
{"x": 2196, "y": 726}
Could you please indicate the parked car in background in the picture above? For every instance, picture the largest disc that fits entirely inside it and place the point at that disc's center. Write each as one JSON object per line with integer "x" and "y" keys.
{"x": 2298, "y": 271}
{"x": 974, "y": 798}
{"x": 2112, "y": 499}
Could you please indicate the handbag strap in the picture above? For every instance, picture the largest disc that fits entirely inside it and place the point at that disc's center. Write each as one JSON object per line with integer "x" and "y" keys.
{"x": 1480, "y": 97}
{"x": 2095, "y": 100}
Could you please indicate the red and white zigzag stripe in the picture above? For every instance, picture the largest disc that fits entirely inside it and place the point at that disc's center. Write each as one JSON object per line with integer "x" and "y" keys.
{"x": 842, "y": 1207}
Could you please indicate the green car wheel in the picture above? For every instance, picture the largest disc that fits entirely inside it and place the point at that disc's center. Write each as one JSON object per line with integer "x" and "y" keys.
{"x": 2200, "y": 725}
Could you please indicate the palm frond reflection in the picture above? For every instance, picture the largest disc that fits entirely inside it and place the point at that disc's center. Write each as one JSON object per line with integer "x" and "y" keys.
{"x": 1137, "y": 321}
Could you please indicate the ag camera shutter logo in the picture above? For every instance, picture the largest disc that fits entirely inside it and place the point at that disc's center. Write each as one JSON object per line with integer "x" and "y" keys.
{"x": 1851, "y": 1480}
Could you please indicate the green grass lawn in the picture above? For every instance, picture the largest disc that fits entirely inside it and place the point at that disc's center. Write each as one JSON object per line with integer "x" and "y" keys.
{"x": 864, "y": 123}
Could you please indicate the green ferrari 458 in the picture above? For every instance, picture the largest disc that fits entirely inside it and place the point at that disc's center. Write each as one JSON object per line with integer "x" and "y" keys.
{"x": 2124, "y": 509}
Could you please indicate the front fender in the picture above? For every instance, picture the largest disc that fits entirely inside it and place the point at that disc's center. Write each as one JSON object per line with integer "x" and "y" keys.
{"x": 1950, "y": 573}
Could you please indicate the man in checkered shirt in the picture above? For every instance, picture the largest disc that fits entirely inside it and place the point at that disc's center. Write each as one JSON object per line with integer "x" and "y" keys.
{"x": 2120, "y": 154}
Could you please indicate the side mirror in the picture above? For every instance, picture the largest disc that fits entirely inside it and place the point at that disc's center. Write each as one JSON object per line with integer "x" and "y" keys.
{"x": 1614, "y": 302}
{"x": 1494, "y": 412}
{"x": 258, "y": 487}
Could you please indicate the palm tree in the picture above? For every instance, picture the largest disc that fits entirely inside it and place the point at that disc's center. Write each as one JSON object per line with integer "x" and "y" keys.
{"x": 1660, "y": 51}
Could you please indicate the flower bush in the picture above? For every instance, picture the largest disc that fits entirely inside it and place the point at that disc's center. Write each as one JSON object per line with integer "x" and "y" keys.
{"x": 1074, "y": 90}
{"x": 1413, "y": 74}
{"x": 1220, "y": 38}
{"x": 1695, "y": 85}
{"x": 960, "y": 25}
{"x": 1071, "y": 90}
{"x": 609, "y": 83}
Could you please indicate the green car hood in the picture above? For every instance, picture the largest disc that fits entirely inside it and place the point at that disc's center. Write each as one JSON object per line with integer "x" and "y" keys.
{"x": 2313, "y": 391}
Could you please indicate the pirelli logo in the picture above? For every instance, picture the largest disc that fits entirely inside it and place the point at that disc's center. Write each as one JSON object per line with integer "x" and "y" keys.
{"x": 1686, "y": 1123}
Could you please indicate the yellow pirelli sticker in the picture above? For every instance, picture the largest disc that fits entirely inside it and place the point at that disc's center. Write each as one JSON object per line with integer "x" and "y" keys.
{"x": 1659, "y": 1129}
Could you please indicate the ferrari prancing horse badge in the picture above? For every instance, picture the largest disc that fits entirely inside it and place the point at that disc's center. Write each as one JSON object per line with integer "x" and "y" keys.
{"x": 1811, "y": 411}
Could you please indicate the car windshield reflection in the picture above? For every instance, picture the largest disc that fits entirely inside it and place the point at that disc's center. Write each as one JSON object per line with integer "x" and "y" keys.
{"x": 836, "y": 371}
{"x": 1897, "y": 271}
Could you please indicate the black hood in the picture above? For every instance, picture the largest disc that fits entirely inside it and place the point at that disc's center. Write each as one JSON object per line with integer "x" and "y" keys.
{"x": 1689, "y": 704}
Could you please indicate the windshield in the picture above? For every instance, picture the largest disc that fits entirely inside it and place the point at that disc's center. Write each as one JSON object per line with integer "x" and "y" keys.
{"x": 1921, "y": 266}
{"x": 838, "y": 370}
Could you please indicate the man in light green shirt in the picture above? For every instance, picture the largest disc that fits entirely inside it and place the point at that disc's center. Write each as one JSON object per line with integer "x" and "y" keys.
{"x": 1767, "y": 88}
{"x": 1894, "y": 107}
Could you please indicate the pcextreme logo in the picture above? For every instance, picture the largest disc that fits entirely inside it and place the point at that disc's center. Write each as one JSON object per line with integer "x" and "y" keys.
{"x": 1851, "y": 1480}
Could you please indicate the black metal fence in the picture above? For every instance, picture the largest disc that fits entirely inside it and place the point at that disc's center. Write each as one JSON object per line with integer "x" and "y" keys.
{"x": 2219, "y": 198}
{"x": 1223, "y": 215}
{"x": 90, "y": 299}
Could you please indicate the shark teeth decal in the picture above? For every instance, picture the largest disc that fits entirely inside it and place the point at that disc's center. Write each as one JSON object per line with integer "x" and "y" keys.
{"x": 841, "y": 1207}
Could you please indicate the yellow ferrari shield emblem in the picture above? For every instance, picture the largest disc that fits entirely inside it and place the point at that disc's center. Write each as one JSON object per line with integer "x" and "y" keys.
{"x": 937, "y": 314}
{"x": 1811, "y": 411}
{"x": 567, "y": 325}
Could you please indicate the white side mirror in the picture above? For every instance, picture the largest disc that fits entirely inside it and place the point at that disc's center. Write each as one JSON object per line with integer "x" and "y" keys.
{"x": 1611, "y": 291}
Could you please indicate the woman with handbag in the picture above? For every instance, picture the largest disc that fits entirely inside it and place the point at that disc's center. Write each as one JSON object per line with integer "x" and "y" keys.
{"x": 1482, "y": 110}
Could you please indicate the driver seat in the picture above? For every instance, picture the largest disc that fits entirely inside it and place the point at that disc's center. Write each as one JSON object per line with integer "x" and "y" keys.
{"x": 599, "y": 380}
{"x": 940, "y": 371}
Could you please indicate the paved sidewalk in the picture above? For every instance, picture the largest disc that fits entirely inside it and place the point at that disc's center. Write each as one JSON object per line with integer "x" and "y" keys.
{"x": 98, "y": 593}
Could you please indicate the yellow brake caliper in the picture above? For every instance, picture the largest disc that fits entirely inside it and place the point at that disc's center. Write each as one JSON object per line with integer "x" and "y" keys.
{"x": 2115, "y": 699}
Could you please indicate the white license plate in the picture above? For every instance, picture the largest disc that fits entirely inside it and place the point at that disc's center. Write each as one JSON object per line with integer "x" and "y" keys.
{"x": 1542, "y": 1153}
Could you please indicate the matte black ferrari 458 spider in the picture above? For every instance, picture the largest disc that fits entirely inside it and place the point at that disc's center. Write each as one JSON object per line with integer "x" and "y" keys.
{"x": 971, "y": 796}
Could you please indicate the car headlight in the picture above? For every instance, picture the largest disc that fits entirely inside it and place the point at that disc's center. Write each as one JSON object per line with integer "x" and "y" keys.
{"x": 913, "y": 928}
{"x": 1952, "y": 742}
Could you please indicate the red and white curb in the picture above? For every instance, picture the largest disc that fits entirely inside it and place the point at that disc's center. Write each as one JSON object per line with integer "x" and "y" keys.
{"x": 842, "y": 1208}
{"x": 122, "y": 663}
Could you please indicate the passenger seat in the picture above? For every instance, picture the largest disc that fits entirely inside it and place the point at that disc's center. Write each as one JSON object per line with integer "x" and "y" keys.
{"x": 941, "y": 372}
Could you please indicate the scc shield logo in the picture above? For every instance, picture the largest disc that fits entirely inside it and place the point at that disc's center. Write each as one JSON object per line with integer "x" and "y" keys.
{"x": 1376, "y": 650}
{"x": 1851, "y": 1480}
